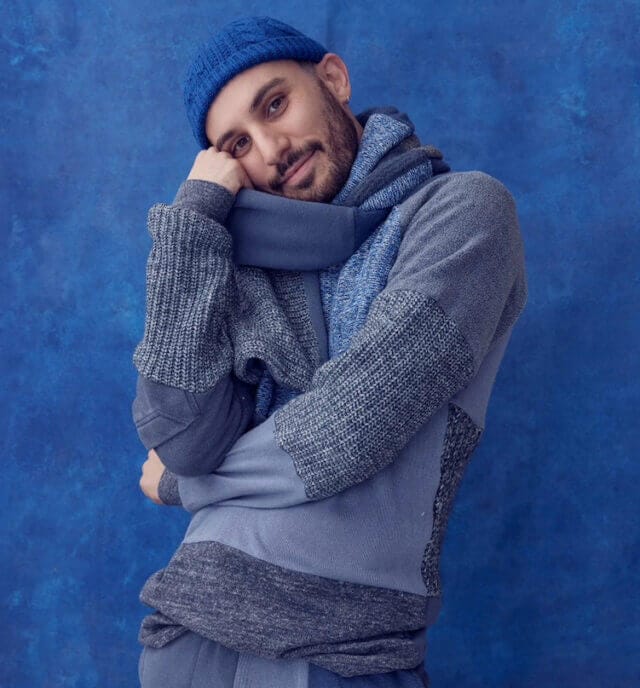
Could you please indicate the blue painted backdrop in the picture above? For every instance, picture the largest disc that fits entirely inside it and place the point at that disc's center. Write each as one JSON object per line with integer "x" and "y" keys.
{"x": 541, "y": 558}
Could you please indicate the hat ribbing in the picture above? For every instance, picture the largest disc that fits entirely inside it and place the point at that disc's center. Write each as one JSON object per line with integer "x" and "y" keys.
{"x": 241, "y": 44}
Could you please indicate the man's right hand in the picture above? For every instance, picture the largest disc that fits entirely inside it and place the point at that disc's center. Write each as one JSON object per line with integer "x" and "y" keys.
{"x": 219, "y": 167}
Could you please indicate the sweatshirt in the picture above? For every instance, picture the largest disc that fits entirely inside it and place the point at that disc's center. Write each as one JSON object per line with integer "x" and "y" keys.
{"x": 317, "y": 529}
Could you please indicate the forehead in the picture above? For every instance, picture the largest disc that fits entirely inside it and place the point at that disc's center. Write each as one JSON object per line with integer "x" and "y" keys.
{"x": 235, "y": 98}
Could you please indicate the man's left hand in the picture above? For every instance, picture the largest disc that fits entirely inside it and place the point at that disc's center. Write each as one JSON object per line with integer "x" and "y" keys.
{"x": 152, "y": 470}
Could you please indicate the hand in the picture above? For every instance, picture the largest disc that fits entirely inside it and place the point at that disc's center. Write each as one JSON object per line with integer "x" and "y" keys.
{"x": 152, "y": 470}
{"x": 219, "y": 167}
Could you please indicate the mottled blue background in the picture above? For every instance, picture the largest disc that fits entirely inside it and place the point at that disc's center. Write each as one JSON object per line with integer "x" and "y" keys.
{"x": 540, "y": 565}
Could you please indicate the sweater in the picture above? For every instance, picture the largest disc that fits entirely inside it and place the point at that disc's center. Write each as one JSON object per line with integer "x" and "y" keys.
{"x": 319, "y": 499}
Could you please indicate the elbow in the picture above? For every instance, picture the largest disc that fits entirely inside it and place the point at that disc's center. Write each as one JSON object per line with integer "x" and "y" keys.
{"x": 191, "y": 434}
{"x": 170, "y": 421}
{"x": 204, "y": 444}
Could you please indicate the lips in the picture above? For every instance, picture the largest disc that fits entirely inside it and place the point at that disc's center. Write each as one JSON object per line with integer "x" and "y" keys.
{"x": 296, "y": 167}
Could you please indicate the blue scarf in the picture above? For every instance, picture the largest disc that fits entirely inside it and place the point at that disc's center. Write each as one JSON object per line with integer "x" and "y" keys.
{"x": 389, "y": 166}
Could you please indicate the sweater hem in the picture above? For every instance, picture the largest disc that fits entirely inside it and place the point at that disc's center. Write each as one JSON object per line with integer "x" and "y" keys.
{"x": 250, "y": 605}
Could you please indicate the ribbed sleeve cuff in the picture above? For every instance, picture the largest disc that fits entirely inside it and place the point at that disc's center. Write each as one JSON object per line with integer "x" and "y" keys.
{"x": 189, "y": 285}
{"x": 168, "y": 489}
{"x": 207, "y": 198}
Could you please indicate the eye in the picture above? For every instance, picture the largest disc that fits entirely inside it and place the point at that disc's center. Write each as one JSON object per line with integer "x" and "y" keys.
{"x": 275, "y": 105}
{"x": 239, "y": 145}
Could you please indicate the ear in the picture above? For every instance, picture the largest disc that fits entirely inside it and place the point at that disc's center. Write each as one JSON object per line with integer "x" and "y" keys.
{"x": 335, "y": 76}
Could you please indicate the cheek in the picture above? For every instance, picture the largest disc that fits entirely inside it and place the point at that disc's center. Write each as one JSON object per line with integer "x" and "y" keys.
{"x": 253, "y": 166}
{"x": 304, "y": 122}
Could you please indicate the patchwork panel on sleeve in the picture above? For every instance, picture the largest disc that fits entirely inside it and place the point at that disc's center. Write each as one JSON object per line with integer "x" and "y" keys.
{"x": 365, "y": 405}
{"x": 188, "y": 293}
{"x": 461, "y": 438}
{"x": 270, "y": 323}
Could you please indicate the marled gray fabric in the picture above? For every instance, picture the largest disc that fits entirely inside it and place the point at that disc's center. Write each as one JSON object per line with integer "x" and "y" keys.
{"x": 189, "y": 295}
{"x": 272, "y": 323}
{"x": 158, "y": 629}
{"x": 250, "y": 605}
{"x": 168, "y": 489}
{"x": 208, "y": 198}
{"x": 197, "y": 299}
{"x": 406, "y": 361}
{"x": 396, "y": 162}
{"x": 461, "y": 439}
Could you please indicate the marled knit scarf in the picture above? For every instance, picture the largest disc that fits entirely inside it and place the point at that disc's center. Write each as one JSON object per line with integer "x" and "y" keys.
{"x": 389, "y": 166}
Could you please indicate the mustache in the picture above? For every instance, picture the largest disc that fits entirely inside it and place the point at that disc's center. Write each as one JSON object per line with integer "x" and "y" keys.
{"x": 291, "y": 160}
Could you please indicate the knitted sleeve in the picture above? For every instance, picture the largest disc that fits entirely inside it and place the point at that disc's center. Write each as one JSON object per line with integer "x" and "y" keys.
{"x": 210, "y": 328}
{"x": 189, "y": 292}
{"x": 457, "y": 285}
{"x": 189, "y": 406}
{"x": 168, "y": 489}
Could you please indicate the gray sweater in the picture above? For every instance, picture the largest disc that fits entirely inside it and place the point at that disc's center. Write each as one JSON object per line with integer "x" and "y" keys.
{"x": 317, "y": 532}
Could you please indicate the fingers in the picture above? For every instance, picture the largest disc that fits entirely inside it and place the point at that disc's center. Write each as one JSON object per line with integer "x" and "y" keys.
{"x": 154, "y": 459}
{"x": 219, "y": 167}
{"x": 152, "y": 470}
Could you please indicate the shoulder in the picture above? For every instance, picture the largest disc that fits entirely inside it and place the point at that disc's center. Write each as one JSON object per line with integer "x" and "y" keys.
{"x": 461, "y": 221}
{"x": 462, "y": 208}
{"x": 470, "y": 190}
{"x": 462, "y": 246}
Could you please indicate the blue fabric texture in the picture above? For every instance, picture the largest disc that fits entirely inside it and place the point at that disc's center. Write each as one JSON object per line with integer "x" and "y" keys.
{"x": 193, "y": 661}
{"x": 241, "y": 44}
{"x": 348, "y": 287}
{"x": 308, "y": 236}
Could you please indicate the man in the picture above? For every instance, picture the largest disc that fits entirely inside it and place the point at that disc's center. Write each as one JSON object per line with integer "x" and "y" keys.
{"x": 327, "y": 308}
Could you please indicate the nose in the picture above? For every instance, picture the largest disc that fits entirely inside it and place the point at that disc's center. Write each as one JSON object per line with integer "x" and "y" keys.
{"x": 272, "y": 145}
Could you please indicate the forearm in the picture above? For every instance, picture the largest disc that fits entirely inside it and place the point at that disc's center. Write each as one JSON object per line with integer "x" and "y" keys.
{"x": 206, "y": 198}
{"x": 189, "y": 291}
{"x": 255, "y": 472}
{"x": 361, "y": 410}
{"x": 457, "y": 284}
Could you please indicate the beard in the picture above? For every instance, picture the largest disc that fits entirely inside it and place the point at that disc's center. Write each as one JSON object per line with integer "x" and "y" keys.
{"x": 340, "y": 147}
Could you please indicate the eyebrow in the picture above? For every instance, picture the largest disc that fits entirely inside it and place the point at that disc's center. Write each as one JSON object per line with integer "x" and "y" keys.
{"x": 255, "y": 104}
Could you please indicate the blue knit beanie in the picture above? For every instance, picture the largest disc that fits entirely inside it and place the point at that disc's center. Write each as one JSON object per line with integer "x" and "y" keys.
{"x": 241, "y": 44}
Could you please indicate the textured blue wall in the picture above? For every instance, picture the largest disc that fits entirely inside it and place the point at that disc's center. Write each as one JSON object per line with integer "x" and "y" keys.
{"x": 540, "y": 565}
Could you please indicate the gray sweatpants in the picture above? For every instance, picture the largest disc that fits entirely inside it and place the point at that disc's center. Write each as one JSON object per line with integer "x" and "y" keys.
{"x": 191, "y": 661}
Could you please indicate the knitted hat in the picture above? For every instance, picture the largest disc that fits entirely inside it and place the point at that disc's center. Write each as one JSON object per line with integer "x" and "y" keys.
{"x": 241, "y": 44}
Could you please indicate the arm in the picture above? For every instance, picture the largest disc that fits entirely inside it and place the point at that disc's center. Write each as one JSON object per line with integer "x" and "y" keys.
{"x": 457, "y": 284}
{"x": 189, "y": 293}
{"x": 190, "y": 429}
{"x": 191, "y": 432}
{"x": 189, "y": 407}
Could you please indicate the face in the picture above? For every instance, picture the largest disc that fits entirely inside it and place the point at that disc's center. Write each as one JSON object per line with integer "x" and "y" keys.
{"x": 289, "y": 127}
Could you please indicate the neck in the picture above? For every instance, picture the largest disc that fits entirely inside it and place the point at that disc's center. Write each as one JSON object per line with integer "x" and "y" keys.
{"x": 354, "y": 120}
{"x": 358, "y": 126}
